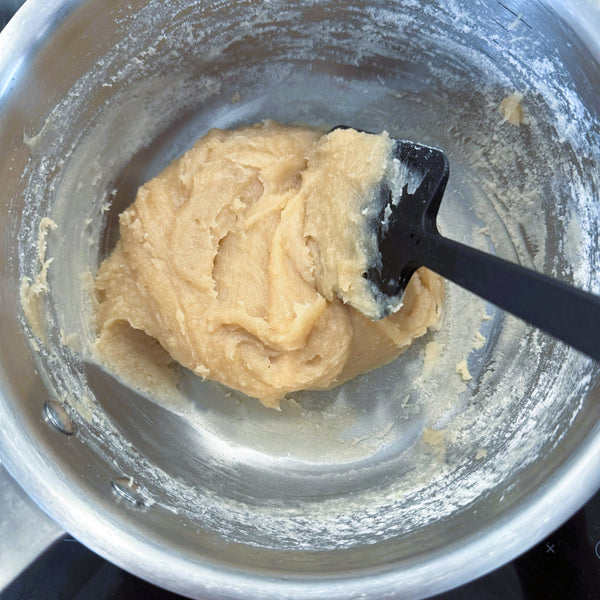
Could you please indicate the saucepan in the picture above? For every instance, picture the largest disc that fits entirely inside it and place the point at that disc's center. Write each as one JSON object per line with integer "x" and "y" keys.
{"x": 472, "y": 446}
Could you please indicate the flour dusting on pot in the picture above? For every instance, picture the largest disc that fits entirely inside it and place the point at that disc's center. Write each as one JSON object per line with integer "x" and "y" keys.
{"x": 349, "y": 468}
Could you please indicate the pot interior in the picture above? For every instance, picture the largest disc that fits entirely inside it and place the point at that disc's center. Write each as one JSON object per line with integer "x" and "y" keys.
{"x": 399, "y": 466}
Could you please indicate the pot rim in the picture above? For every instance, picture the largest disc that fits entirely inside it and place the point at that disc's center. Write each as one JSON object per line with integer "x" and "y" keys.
{"x": 520, "y": 528}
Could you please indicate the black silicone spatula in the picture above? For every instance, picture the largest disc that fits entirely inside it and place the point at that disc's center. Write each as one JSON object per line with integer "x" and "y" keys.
{"x": 408, "y": 238}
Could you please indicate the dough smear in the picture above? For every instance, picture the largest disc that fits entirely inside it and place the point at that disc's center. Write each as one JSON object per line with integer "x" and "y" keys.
{"x": 233, "y": 260}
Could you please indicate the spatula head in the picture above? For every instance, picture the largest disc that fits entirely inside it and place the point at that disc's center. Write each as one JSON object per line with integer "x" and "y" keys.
{"x": 411, "y": 193}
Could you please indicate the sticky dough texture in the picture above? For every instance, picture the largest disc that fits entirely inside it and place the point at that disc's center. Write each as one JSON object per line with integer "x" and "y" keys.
{"x": 233, "y": 258}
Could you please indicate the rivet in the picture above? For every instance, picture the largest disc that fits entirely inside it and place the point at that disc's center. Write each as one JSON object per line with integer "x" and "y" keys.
{"x": 127, "y": 488}
{"x": 55, "y": 415}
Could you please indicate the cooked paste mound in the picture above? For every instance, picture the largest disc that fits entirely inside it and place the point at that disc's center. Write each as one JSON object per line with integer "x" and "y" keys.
{"x": 234, "y": 262}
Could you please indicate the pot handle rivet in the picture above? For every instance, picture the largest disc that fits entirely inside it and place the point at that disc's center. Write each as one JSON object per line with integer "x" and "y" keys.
{"x": 127, "y": 488}
{"x": 56, "y": 416}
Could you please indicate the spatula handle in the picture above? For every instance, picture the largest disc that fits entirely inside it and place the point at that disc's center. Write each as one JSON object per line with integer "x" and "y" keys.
{"x": 563, "y": 311}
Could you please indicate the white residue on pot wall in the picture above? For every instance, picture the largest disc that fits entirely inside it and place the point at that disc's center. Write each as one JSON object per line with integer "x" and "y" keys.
{"x": 430, "y": 72}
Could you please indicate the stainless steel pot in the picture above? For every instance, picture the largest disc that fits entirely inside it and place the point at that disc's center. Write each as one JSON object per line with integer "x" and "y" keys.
{"x": 402, "y": 483}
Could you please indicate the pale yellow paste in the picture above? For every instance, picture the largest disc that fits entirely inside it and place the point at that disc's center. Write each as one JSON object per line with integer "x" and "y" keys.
{"x": 512, "y": 109}
{"x": 33, "y": 291}
{"x": 233, "y": 262}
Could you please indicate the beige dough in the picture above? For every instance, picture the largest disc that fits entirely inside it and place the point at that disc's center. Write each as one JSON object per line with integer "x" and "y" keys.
{"x": 512, "y": 109}
{"x": 233, "y": 260}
